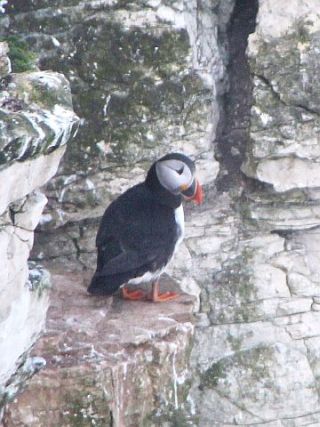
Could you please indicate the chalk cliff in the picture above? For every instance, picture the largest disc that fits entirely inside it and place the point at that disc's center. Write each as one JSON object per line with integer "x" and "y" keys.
{"x": 36, "y": 121}
{"x": 234, "y": 84}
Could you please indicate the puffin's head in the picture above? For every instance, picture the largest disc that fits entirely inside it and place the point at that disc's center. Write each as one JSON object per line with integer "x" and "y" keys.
{"x": 176, "y": 173}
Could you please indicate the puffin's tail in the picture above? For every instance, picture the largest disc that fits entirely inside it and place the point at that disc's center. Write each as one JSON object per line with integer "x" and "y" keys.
{"x": 100, "y": 285}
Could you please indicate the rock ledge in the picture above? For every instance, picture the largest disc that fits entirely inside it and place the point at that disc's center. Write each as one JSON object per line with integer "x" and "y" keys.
{"x": 103, "y": 356}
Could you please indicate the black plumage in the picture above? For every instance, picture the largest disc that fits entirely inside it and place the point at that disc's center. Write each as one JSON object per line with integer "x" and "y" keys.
{"x": 137, "y": 234}
{"x": 139, "y": 231}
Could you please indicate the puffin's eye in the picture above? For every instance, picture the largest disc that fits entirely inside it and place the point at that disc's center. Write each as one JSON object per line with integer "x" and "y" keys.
{"x": 180, "y": 171}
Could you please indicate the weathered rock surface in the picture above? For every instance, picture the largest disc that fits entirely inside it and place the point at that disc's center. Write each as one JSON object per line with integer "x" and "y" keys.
{"x": 255, "y": 350}
{"x": 254, "y": 355}
{"x": 144, "y": 77}
{"x": 109, "y": 362}
{"x": 5, "y": 64}
{"x": 284, "y": 148}
{"x": 36, "y": 119}
{"x": 250, "y": 255}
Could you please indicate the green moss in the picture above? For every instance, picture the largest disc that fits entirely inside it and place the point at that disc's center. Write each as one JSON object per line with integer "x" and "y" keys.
{"x": 233, "y": 297}
{"x": 133, "y": 86}
{"x": 251, "y": 367}
{"x": 173, "y": 418}
{"x": 17, "y": 6}
{"x": 211, "y": 377}
{"x": 39, "y": 279}
{"x": 302, "y": 32}
{"x": 79, "y": 417}
{"x": 22, "y": 59}
{"x": 145, "y": 81}
{"x": 85, "y": 410}
{"x": 235, "y": 342}
{"x": 42, "y": 96}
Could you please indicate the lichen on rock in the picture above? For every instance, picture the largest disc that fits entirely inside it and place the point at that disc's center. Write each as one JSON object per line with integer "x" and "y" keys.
{"x": 20, "y": 56}
{"x": 284, "y": 147}
{"x": 39, "y": 104}
{"x": 138, "y": 85}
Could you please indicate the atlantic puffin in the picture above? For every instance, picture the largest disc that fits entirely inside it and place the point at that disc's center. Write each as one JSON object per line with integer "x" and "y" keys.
{"x": 141, "y": 230}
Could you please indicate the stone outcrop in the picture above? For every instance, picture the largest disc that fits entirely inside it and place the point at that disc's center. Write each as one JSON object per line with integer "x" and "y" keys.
{"x": 107, "y": 365}
{"x": 36, "y": 120}
{"x": 157, "y": 94}
{"x": 284, "y": 149}
{"x": 161, "y": 98}
{"x": 256, "y": 354}
{"x": 143, "y": 77}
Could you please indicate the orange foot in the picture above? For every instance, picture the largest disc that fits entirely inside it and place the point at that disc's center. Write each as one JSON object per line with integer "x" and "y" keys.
{"x": 157, "y": 297}
{"x": 136, "y": 295}
{"x": 166, "y": 296}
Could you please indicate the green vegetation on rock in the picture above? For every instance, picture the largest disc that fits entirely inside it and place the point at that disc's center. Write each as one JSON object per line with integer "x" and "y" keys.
{"x": 250, "y": 366}
{"x": 22, "y": 59}
{"x": 233, "y": 298}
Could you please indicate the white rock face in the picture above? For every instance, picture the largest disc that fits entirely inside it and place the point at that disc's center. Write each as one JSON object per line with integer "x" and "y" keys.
{"x": 22, "y": 311}
{"x": 5, "y": 64}
{"x": 288, "y": 173}
{"x": 257, "y": 343}
{"x": 256, "y": 351}
{"x": 284, "y": 59}
{"x": 22, "y": 178}
{"x": 276, "y": 19}
{"x": 32, "y": 142}
{"x": 180, "y": 69}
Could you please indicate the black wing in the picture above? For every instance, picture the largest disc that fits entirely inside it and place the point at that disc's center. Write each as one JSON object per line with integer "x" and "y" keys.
{"x": 136, "y": 235}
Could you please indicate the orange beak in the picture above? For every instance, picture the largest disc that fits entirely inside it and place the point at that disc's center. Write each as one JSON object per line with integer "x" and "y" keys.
{"x": 196, "y": 192}
{"x": 198, "y": 196}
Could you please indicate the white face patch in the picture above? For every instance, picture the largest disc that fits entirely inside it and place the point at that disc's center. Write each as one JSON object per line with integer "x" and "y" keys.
{"x": 173, "y": 174}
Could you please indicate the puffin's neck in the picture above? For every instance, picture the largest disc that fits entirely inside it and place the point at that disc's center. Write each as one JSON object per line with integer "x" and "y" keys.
{"x": 162, "y": 195}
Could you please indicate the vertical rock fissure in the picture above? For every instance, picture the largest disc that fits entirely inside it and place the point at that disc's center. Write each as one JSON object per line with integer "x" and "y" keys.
{"x": 233, "y": 127}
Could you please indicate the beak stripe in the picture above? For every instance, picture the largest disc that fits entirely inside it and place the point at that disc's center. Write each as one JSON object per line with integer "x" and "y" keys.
{"x": 194, "y": 192}
{"x": 189, "y": 191}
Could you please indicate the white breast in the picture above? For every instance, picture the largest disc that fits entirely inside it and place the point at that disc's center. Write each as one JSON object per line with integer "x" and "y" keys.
{"x": 179, "y": 217}
{"x": 146, "y": 277}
